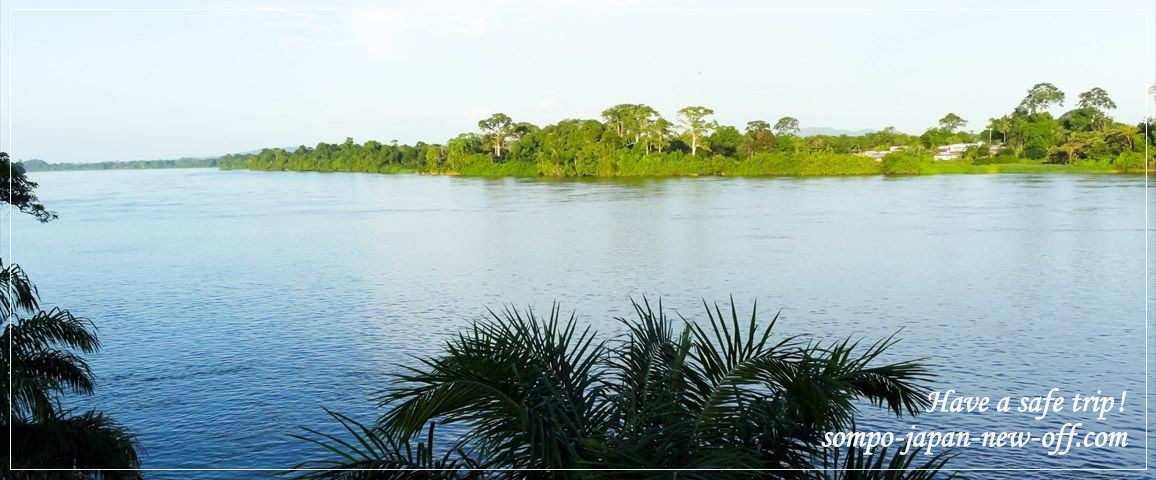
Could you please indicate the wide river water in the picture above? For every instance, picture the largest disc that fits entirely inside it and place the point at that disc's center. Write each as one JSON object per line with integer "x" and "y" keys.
{"x": 234, "y": 305}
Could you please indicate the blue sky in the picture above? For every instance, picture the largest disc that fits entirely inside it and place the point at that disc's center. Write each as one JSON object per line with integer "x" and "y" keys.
{"x": 124, "y": 85}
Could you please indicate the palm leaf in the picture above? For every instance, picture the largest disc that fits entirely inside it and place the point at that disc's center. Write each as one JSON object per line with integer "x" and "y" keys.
{"x": 17, "y": 293}
{"x": 370, "y": 453}
{"x": 522, "y": 387}
{"x": 857, "y": 464}
{"x": 91, "y": 440}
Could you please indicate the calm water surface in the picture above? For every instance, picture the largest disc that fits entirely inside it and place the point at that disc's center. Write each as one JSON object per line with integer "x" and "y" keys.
{"x": 234, "y": 305}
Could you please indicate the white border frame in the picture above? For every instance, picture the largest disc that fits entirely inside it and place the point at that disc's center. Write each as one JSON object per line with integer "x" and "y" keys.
{"x": 1148, "y": 113}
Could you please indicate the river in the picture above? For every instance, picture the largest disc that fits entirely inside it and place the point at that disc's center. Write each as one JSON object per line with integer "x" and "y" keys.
{"x": 234, "y": 305}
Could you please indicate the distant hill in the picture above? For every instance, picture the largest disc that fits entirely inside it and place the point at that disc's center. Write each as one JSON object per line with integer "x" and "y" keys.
{"x": 806, "y": 132}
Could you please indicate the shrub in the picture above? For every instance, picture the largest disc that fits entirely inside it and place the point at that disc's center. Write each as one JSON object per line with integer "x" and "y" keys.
{"x": 1129, "y": 162}
{"x": 905, "y": 163}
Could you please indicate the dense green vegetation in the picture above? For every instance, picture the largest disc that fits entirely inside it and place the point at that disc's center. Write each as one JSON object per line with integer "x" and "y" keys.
{"x": 37, "y": 165}
{"x": 43, "y": 351}
{"x": 541, "y": 393}
{"x": 634, "y": 140}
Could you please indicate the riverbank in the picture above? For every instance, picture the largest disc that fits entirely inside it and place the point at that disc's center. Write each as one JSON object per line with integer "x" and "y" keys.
{"x": 944, "y": 168}
{"x": 763, "y": 165}
{"x": 662, "y": 165}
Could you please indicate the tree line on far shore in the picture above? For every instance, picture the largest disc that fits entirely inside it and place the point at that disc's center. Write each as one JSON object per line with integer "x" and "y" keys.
{"x": 635, "y": 140}
{"x": 38, "y": 165}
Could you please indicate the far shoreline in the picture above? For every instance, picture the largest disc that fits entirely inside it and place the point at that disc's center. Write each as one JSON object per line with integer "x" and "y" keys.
{"x": 992, "y": 169}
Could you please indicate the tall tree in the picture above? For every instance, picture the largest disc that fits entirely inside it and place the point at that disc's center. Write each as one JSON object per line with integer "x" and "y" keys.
{"x": 787, "y": 126}
{"x": 1041, "y": 97}
{"x": 1003, "y": 125}
{"x": 618, "y": 117}
{"x": 630, "y": 121}
{"x": 757, "y": 126}
{"x": 654, "y": 133}
{"x": 951, "y": 122}
{"x": 695, "y": 124}
{"x": 1096, "y": 98}
{"x": 1097, "y": 101}
{"x": 497, "y": 129}
{"x": 521, "y": 129}
{"x": 758, "y": 138}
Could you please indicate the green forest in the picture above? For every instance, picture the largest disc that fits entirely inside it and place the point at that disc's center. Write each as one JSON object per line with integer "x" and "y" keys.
{"x": 635, "y": 140}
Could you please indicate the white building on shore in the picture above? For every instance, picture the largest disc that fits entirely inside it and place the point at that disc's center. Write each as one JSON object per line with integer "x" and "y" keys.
{"x": 953, "y": 151}
{"x": 878, "y": 154}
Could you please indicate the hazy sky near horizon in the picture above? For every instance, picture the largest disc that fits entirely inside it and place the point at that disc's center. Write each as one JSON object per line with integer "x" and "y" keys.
{"x": 127, "y": 85}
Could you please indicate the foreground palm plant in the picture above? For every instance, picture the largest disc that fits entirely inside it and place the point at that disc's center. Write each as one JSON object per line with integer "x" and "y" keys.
{"x": 719, "y": 400}
{"x": 43, "y": 349}
{"x": 41, "y": 355}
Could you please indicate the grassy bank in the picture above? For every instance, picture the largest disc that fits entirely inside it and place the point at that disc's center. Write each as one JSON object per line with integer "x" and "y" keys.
{"x": 913, "y": 164}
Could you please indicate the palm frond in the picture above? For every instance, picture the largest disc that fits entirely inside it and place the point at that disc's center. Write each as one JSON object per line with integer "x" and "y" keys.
{"x": 90, "y": 440}
{"x": 857, "y": 464}
{"x": 54, "y": 328}
{"x": 523, "y": 388}
{"x": 17, "y": 292}
{"x": 367, "y": 452}
{"x": 37, "y": 379}
{"x": 43, "y": 362}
